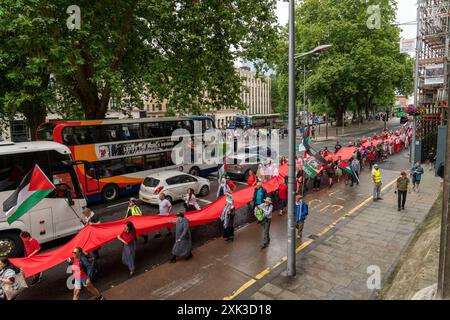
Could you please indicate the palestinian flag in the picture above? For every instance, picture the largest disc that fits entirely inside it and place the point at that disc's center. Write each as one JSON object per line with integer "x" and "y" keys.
{"x": 34, "y": 187}
{"x": 345, "y": 166}
{"x": 311, "y": 168}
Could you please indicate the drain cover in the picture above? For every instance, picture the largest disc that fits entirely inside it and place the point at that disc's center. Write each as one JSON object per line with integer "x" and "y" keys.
{"x": 314, "y": 236}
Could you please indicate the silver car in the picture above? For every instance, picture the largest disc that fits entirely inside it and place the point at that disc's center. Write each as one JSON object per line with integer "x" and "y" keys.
{"x": 238, "y": 166}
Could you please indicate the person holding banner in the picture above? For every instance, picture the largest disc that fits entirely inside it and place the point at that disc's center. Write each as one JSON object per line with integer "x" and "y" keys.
{"x": 356, "y": 169}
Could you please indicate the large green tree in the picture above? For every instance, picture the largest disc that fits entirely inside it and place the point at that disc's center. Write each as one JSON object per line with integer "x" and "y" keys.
{"x": 364, "y": 67}
{"x": 183, "y": 50}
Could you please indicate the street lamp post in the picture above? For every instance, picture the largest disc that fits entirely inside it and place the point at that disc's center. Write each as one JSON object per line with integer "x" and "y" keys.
{"x": 291, "y": 271}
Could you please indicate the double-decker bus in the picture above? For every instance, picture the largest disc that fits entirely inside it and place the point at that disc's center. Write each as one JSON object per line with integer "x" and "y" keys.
{"x": 119, "y": 154}
{"x": 59, "y": 214}
{"x": 257, "y": 121}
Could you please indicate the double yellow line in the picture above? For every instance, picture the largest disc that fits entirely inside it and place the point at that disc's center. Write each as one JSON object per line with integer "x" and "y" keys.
{"x": 303, "y": 246}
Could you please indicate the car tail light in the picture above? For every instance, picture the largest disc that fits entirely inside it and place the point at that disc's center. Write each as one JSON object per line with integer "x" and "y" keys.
{"x": 159, "y": 189}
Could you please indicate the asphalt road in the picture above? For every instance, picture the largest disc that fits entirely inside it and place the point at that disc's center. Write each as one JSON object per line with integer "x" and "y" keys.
{"x": 156, "y": 251}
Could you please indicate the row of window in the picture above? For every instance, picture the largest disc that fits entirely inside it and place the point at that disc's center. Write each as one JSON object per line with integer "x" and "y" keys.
{"x": 117, "y": 167}
{"x": 128, "y": 131}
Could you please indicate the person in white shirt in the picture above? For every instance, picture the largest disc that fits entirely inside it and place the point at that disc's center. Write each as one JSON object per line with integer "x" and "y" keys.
{"x": 190, "y": 201}
{"x": 165, "y": 208}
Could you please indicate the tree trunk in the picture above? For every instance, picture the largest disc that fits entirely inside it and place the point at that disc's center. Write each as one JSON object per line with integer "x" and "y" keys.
{"x": 35, "y": 116}
{"x": 339, "y": 113}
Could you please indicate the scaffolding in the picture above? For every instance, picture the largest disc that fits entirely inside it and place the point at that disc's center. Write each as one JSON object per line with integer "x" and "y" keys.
{"x": 433, "y": 46}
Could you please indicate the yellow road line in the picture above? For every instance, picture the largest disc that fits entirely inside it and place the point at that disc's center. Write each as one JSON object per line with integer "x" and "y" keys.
{"x": 304, "y": 245}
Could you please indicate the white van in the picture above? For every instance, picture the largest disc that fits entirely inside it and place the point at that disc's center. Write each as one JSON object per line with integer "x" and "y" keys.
{"x": 56, "y": 216}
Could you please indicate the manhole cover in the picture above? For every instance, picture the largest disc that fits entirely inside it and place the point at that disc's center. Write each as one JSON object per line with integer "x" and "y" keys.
{"x": 314, "y": 236}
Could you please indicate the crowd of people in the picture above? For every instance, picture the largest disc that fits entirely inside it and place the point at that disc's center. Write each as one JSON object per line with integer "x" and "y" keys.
{"x": 367, "y": 153}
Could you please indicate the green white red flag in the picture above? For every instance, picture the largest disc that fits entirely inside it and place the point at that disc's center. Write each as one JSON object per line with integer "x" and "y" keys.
{"x": 34, "y": 187}
{"x": 345, "y": 166}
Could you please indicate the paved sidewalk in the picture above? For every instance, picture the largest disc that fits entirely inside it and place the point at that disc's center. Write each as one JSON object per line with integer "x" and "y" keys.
{"x": 335, "y": 267}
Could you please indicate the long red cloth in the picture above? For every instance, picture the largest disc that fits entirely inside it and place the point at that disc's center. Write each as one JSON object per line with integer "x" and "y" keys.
{"x": 92, "y": 237}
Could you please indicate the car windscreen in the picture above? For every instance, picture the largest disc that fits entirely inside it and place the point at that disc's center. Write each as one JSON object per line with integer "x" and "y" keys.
{"x": 151, "y": 182}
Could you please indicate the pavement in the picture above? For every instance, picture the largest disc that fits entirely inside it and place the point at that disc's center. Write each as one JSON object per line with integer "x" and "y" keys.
{"x": 357, "y": 256}
{"x": 345, "y": 233}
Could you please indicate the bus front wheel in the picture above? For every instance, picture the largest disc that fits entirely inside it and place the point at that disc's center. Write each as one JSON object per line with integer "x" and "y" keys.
{"x": 10, "y": 245}
{"x": 110, "y": 193}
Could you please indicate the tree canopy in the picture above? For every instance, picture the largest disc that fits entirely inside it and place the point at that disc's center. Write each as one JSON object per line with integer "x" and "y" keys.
{"x": 183, "y": 50}
{"x": 364, "y": 67}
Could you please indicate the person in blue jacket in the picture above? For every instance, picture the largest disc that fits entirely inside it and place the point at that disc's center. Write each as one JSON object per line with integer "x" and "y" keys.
{"x": 259, "y": 195}
{"x": 416, "y": 172}
{"x": 301, "y": 212}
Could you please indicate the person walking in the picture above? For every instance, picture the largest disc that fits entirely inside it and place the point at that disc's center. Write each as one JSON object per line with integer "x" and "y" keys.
{"x": 252, "y": 180}
{"x": 329, "y": 169}
{"x": 267, "y": 209}
{"x": 231, "y": 185}
{"x": 417, "y": 172}
{"x": 128, "y": 238}
{"x": 31, "y": 247}
{"x": 165, "y": 208}
{"x": 402, "y": 189}
{"x": 223, "y": 188}
{"x": 431, "y": 158}
{"x": 91, "y": 218}
{"x": 355, "y": 165}
{"x": 376, "y": 180}
{"x": 317, "y": 179}
{"x": 259, "y": 195}
{"x": 337, "y": 147}
{"x": 183, "y": 242}
{"x": 301, "y": 212}
{"x": 83, "y": 271}
{"x": 133, "y": 211}
{"x": 283, "y": 197}
{"x": 227, "y": 217}
{"x": 190, "y": 201}
{"x": 260, "y": 173}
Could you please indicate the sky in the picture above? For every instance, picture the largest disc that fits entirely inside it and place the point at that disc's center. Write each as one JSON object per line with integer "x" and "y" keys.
{"x": 407, "y": 12}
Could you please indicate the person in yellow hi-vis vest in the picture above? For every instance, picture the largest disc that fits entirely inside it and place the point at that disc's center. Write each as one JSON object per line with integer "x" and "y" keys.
{"x": 376, "y": 179}
{"x": 134, "y": 210}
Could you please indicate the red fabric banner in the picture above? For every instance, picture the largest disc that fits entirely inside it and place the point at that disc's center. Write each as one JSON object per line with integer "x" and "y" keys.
{"x": 92, "y": 237}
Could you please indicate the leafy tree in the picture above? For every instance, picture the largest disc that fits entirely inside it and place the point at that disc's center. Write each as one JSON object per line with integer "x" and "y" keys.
{"x": 178, "y": 49}
{"x": 362, "y": 69}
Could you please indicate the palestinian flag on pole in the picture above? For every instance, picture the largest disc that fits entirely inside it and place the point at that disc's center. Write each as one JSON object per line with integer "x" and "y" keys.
{"x": 34, "y": 187}
{"x": 345, "y": 166}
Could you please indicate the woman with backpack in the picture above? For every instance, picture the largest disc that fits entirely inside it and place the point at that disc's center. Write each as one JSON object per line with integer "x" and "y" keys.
{"x": 83, "y": 271}
{"x": 8, "y": 275}
{"x": 128, "y": 238}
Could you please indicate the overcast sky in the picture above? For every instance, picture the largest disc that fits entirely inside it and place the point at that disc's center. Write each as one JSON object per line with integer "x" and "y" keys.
{"x": 407, "y": 12}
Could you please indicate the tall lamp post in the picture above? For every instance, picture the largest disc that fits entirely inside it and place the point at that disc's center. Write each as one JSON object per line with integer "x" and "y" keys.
{"x": 292, "y": 137}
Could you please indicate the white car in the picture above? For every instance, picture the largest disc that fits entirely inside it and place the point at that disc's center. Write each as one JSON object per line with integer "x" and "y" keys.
{"x": 174, "y": 184}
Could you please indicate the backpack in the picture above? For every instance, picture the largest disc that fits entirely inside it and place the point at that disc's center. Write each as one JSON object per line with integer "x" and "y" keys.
{"x": 259, "y": 214}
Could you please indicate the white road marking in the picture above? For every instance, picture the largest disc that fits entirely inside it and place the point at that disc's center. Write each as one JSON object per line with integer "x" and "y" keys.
{"x": 207, "y": 201}
{"x": 117, "y": 204}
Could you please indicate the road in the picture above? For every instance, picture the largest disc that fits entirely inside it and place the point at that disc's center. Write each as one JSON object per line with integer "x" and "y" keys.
{"x": 157, "y": 251}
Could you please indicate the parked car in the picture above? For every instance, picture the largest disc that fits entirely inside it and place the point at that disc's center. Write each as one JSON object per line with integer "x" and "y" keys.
{"x": 403, "y": 119}
{"x": 263, "y": 151}
{"x": 174, "y": 184}
{"x": 238, "y": 166}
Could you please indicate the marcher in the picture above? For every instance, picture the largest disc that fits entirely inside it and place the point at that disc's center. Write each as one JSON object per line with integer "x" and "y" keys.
{"x": 227, "y": 217}
{"x": 190, "y": 201}
{"x": 31, "y": 247}
{"x": 356, "y": 168}
{"x": 301, "y": 212}
{"x": 337, "y": 147}
{"x": 252, "y": 180}
{"x": 223, "y": 188}
{"x": 128, "y": 238}
{"x": 260, "y": 173}
{"x": 317, "y": 179}
{"x": 8, "y": 274}
{"x": 83, "y": 271}
{"x": 416, "y": 172}
{"x": 431, "y": 158}
{"x": 165, "y": 208}
{"x": 402, "y": 189}
{"x": 330, "y": 172}
{"x": 134, "y": 210}
{"x": 376, "y": 180}
{"x": 183, "y": 243}
{"x": 267, "y": 209}
{"x": 231, "y": 185}
{"x": 283, "y": 197}
{"x": 90, "y": 217}
{"x": 259, "y": 195}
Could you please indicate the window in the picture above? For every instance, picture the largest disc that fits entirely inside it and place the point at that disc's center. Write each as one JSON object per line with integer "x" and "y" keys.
{"x": 187, "y": 179}
{"x": 110, "y": 132}
{"x": 151, "y": 182}
{"x": 111, "y": 168}
{"x": 45, "y": 132}
{"x": 134, "y": 164}
{"x": 152, "y": 130}
{"x": 158, "y": 160}
{"x": 131, "y": 131}
{"x": 73, "y": 136}
{"x": 174, "y": 180}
